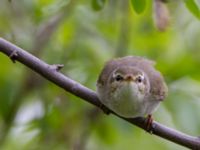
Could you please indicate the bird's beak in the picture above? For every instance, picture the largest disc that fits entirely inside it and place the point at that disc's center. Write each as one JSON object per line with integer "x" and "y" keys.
{"x": 129, "y": 78}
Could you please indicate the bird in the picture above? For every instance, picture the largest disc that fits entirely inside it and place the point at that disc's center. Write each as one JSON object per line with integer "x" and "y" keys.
{"x": 131, "y": 87}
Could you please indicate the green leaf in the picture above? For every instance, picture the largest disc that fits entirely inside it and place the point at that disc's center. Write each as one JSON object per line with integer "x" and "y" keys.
{"x": 98, "y": 4}
{"x": 192, "y": 7}
{"x": 138, "y": 5}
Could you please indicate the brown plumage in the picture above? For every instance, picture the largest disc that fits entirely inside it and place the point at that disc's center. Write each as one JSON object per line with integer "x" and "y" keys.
{"x": 131, "y": 86}
{"x": 158, "y": 88}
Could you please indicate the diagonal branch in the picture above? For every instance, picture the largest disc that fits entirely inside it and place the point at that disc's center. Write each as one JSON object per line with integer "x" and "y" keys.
{"x": 49, "y": 72}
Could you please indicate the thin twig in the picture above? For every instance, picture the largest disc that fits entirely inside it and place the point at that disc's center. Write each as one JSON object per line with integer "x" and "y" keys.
{"x": 90, "y": 96}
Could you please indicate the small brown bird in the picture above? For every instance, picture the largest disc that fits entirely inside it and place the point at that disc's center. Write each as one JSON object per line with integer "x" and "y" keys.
{"x": 131, "y": 87}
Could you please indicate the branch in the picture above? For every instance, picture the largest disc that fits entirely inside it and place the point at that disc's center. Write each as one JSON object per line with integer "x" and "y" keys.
{"x": 51, "y": 73}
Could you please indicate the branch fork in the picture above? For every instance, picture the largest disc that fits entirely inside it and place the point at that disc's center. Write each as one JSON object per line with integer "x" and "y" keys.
{"x": 13, "y": 56}
{"x": 56, "y": 67}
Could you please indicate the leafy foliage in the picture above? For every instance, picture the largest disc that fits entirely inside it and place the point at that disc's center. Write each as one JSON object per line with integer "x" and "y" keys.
{"x": 138, "y": 5}
{"x": 193, "y": 7}
{"x": 35, "y": 114}
{"x": 98, "y": 4}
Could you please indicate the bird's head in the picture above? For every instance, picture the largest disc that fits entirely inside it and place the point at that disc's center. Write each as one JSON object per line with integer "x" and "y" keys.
{"x": 126, "y": 78}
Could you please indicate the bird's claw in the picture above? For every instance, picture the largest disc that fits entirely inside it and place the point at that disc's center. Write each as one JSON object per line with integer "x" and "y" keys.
{"x": 105, "y": 109}
{"x": 149, "y": 121}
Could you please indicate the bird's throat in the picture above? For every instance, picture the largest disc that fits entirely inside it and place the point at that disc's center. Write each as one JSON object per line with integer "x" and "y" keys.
{"x": 130, "y": 91}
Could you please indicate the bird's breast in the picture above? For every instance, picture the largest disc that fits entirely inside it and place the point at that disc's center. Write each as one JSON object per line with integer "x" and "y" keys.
{"x": 127, "y": 101}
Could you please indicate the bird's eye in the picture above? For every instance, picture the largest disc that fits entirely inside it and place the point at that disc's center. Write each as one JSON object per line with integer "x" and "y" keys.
{"x": 139, "y": 79}
{"x": 119, "y": 78}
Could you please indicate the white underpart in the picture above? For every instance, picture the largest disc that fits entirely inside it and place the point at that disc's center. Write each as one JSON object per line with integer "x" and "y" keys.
{"x": 128, "y": 101}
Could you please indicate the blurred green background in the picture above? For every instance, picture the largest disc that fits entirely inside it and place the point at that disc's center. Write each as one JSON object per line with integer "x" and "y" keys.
{"x": 36, "y": 114}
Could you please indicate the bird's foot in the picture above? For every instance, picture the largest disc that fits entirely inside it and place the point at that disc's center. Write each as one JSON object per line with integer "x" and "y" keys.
{"x": 149, "y": 121}
{"x": 105, "y": 109}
